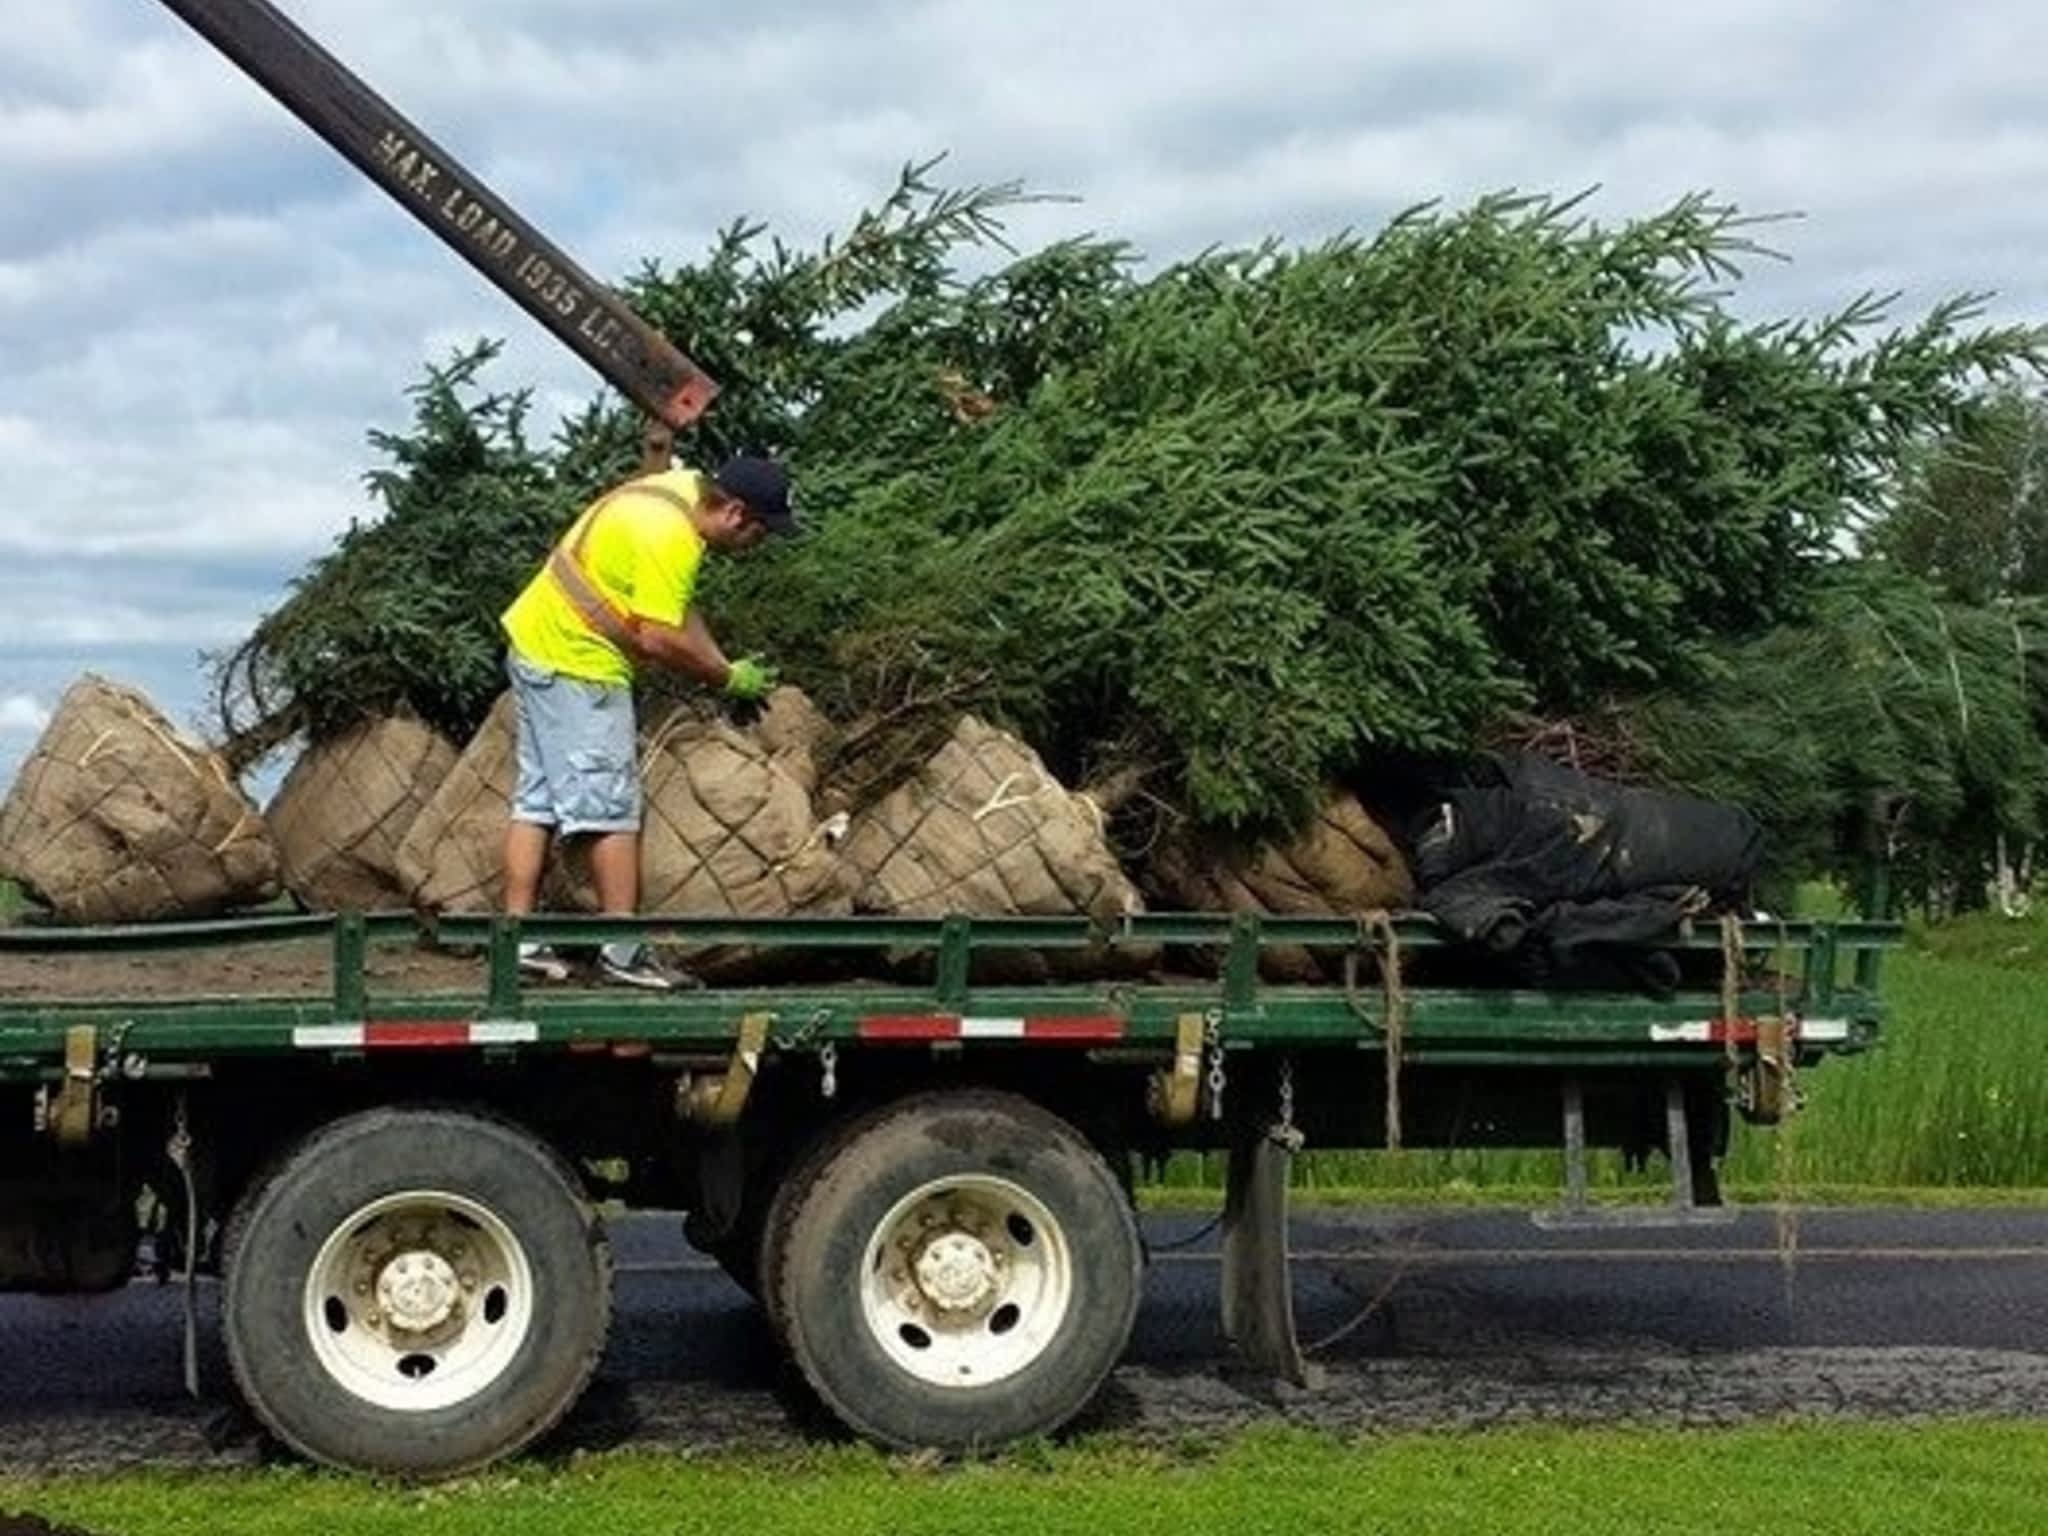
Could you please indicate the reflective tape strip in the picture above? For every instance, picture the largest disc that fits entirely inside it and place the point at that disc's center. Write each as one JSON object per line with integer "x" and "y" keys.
{"x": 1049, "y": 1029}
{"x": 503, "y": 1032}
{"x": 394, "y": 1034}
{"x": 909, "y": 1027}
{"x": 1700, "y": 1033}
{"x": 992, "y": 1029}
{"x": 597, "y": 613}
{"x": 335, "y": 1037}
{"x": 603, "y": 617}
{"x": 1743, "y": 1031}
{"x": 415, "y": 1036}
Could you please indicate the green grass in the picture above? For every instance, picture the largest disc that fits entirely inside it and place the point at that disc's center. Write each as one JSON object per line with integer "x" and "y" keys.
{"x": 2003, "y": 944}
{"x": 1983, "y": 1478}
{"x": 11, "y": 902}
{"x": 1957, "y": 1093}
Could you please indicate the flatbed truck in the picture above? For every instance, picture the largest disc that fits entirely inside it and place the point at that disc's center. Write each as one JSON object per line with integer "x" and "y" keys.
{"x": 918, "y": 1154}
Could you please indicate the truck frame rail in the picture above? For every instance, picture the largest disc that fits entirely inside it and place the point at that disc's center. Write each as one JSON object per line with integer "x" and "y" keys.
{"x": 1474, "y": 1025}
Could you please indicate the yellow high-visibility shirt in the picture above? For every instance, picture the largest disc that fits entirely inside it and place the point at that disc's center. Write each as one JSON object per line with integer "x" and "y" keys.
{"x": 641, "y": 552}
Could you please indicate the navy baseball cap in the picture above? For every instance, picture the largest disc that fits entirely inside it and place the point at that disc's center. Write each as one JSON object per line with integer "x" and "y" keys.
{"x": 763, "y": 485}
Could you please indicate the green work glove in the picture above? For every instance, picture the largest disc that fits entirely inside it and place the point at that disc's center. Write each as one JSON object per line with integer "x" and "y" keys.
{"x": 750, "y": 678}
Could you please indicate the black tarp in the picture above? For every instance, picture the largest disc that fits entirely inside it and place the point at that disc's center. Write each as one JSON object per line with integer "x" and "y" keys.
{"x": 1529, "y": 860}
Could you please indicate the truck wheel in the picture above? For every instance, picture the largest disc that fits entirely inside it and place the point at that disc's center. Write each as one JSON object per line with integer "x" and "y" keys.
{"x": 797, "y": 1181}
{"x": 416, "y": 1292}
{"x": 962, "y": 1272}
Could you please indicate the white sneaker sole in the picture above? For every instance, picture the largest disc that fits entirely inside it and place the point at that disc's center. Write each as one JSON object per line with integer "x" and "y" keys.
{"x": 647, "y": 981}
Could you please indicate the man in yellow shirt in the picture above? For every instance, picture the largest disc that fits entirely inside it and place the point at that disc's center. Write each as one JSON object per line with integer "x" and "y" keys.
{"x": 613, "y": 596}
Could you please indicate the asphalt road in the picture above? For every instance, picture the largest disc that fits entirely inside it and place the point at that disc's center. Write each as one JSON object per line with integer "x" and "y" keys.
{"x": 1417, "y": 1319}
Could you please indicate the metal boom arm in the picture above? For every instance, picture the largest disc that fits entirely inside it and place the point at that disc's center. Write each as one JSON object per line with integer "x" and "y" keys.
{"x": 424, "y": 179}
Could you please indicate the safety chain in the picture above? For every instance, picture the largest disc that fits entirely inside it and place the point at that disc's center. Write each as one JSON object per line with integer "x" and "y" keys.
{"x": 1285, "y": 1133}
{"x": 1212, "y": 1037}
{"x": 179, "y": 1147}
{"x": 800, "y": 1038}
{"x": 179, "y": 1150}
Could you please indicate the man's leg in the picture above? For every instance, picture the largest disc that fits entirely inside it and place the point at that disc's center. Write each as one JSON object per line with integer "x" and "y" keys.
{"x": 615, "y": 870}
{"x": 531, "y": 831}
{"x": 598, "y": 795}
{"x": 526, "y": 859}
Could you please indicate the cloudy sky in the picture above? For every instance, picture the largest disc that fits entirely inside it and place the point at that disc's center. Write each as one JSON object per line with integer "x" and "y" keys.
{"x": 202, "y": 310}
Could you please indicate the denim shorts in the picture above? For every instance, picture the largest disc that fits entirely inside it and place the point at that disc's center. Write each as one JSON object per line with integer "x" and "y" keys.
{"x": 577, "y": 756}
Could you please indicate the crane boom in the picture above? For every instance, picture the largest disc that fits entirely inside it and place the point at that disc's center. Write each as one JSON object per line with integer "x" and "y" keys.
{"x": 586, "y": 315}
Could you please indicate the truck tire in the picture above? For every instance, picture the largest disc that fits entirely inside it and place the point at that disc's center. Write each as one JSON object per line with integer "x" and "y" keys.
{"x": 963, "y": 1271}
{"x": 415, "y": 1291}
{"x": 797, "y": 1180}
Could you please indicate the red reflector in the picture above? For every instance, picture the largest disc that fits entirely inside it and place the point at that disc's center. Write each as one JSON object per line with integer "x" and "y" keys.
{"x": 910, "y": 1026}
{"x": 1074, "y": 1029}
{"x": 397, "y": 1036}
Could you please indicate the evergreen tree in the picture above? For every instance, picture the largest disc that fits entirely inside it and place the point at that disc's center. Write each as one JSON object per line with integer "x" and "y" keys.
{"x": 1237, "y": 522}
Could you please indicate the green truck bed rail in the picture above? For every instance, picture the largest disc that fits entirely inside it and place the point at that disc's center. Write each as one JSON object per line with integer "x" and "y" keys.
{"x": 1795, "y": 969}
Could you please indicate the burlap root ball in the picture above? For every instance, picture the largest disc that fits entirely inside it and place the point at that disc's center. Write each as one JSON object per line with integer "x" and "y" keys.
{"x": 344, "y": 810}
{"x": 1342, "y": 864}
{"x": 117, "y": 816}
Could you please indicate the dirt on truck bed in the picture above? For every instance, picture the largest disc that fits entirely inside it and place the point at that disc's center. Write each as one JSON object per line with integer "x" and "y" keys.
{"x": 303, "y": 968}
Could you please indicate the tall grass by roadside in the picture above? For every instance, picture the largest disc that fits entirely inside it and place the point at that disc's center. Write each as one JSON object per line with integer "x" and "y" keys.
{"x": 1955, "y": 1095}
{"x": 1957, "y": 1092}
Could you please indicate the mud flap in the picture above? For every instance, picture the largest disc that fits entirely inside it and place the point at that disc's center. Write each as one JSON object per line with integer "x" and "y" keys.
{"x": 1258, "y": 1295}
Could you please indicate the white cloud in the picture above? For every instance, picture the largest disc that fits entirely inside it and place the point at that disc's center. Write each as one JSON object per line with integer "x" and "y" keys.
{"x": 156, "y": 99}
{"x": 22, "y": 713}
{"x": 202, "y": 309}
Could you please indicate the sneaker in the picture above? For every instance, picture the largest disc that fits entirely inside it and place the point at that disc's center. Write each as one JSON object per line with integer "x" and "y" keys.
{"x": 541, "y": 961}
{"x": 640, "y": 969}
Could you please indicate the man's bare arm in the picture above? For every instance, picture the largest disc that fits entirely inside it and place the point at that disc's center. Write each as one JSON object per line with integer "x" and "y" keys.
{"x": 687, "y": 648}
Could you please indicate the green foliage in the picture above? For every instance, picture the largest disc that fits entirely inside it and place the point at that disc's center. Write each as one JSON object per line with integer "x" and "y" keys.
{"x": 1239, "y": 521}
{"x": 1272, "y": 509}
{"x": 1891, "y": 712}
{"x": 1973, "y": 513}
{"x": 1256, "y": 630}
{"x": 774, "y": 324}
